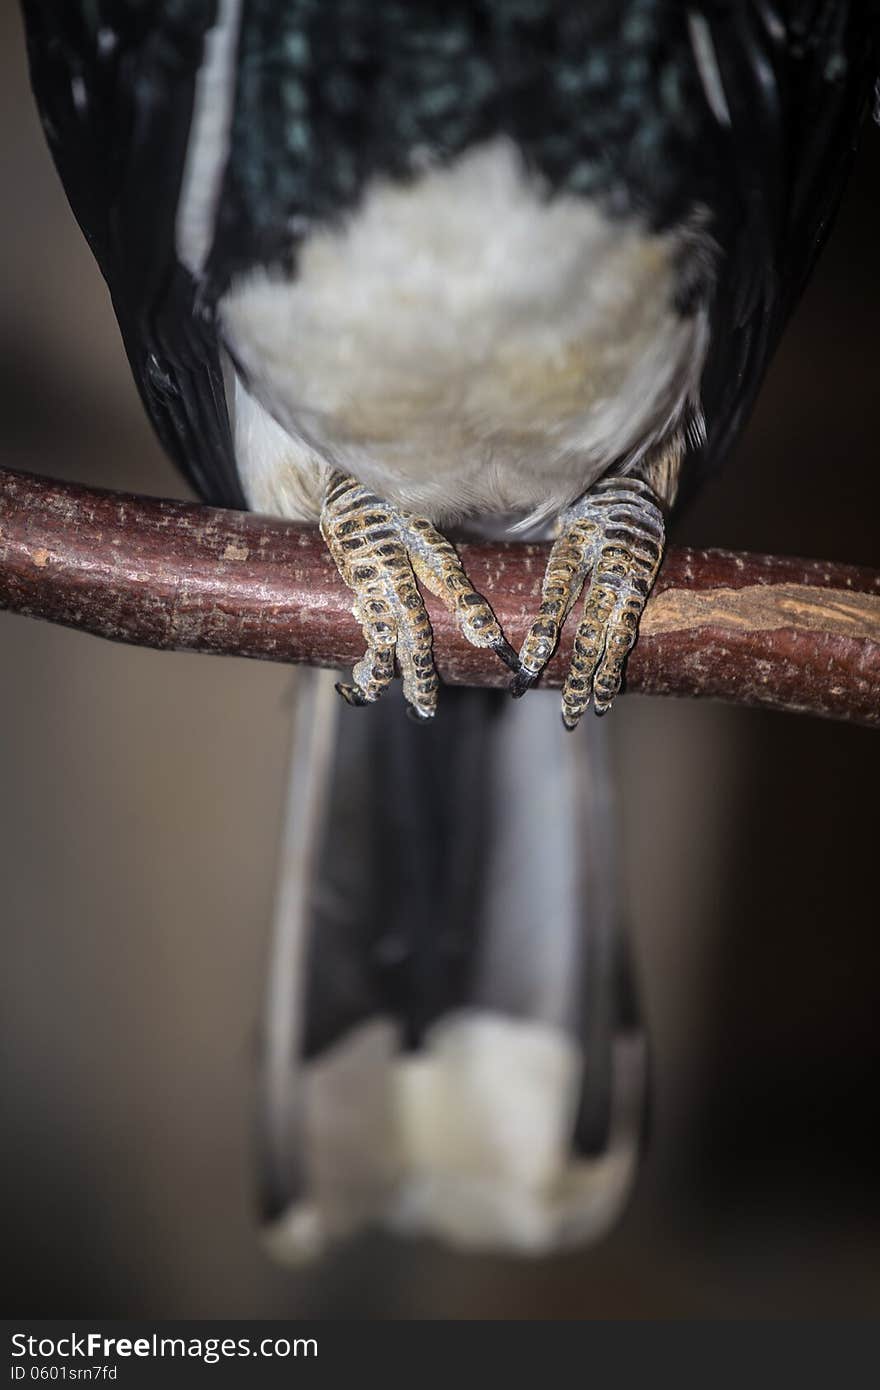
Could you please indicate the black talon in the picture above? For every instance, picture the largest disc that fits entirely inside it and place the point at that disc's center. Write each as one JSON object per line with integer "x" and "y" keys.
{"x": 508, "y": 654}
{"x": 350, "y": 694}
{"x": 417, "y": 716}
{"x": 522, "y": 681}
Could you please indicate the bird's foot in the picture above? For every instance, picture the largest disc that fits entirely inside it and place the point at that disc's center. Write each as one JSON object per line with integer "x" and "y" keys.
{"x": 379, "y": 551}
{"x": 611, "y": 540}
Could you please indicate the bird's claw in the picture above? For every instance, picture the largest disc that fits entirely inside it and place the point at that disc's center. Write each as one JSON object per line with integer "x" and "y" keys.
{"x": 379, "y": 553}
{"x": 612, "y": 541}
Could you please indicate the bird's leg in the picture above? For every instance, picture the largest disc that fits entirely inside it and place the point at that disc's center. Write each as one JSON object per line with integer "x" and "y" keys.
{"x": 611, "y": 541}
{"x": 379, "y": 551}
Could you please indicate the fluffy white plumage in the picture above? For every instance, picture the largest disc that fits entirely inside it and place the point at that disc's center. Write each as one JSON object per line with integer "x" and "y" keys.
{"x": 468, "y": 1139}
{"x": 463, "y": 345}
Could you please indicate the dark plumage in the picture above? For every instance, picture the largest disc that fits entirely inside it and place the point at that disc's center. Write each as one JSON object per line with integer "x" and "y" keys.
{"x": 602, "y": 99}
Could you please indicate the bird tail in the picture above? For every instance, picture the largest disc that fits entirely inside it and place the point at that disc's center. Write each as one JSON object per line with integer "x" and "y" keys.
{"x": 451, "y": 1044}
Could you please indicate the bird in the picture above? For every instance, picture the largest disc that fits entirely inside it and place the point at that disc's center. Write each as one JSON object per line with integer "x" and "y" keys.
{"x": 417, "y": 271}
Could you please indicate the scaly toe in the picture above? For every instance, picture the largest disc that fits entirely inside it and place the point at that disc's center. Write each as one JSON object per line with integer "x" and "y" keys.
{"x": 611, "y": 541}
{"x": 570, "y": 721}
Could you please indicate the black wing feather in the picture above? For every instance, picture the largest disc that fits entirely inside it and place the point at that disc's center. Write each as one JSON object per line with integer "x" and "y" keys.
{"x": 798, "y": 79}
{"x": 120, "y": 149}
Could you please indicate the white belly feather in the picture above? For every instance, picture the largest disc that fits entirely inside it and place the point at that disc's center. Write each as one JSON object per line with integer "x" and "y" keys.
{"x": 463, "y": 345}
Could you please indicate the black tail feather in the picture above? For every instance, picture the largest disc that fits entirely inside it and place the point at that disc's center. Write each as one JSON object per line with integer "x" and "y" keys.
{"x": 457, "y": 905}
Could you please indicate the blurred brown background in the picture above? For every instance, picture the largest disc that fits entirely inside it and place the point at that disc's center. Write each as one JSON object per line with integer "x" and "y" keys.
{"x": 138, "y": 824}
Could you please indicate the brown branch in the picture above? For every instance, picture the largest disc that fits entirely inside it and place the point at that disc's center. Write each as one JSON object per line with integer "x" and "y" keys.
{"x": 789, "y": 634}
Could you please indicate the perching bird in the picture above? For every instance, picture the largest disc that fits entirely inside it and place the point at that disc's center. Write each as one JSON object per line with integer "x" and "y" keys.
{"x": 495, "y": 267}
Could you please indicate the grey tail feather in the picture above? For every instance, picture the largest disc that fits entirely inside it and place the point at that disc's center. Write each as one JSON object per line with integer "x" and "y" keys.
{"x": 451, "y": 1041}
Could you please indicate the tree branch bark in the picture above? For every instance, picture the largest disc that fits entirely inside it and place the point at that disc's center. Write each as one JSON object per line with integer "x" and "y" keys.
{"x": 758, "y": 630}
